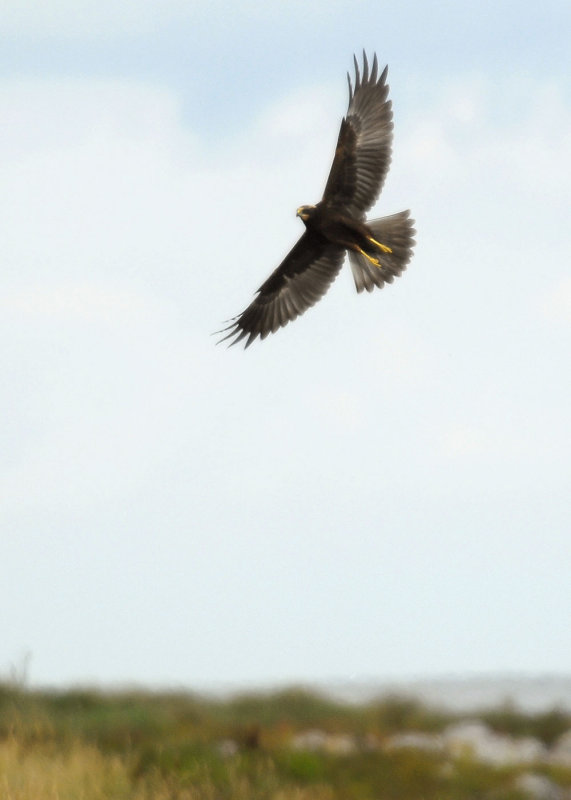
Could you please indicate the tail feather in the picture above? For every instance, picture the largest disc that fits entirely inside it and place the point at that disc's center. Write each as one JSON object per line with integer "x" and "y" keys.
{"x": 396, "y": 232}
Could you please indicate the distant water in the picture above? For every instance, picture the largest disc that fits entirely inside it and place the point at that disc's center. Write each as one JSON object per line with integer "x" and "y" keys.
{"x": 530, "y": 694}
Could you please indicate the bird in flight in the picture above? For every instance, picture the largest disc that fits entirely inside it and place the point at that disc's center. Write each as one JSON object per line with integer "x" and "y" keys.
{"x": 378, "y": 249}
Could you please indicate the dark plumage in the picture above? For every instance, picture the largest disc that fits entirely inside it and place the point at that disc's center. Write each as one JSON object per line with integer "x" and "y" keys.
{"x": 378, "y": 249}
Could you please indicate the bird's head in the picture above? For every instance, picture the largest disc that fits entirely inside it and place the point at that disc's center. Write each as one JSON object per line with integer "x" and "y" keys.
{"x": 305, "y": 212}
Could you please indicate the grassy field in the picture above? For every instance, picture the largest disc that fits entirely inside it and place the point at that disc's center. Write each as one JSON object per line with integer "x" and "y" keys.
{"x": 91, "y": 745}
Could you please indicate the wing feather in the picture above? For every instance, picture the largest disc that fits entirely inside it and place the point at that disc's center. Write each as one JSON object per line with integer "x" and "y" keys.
{"x": 363, "y": 152}
{"x": 302, "y": 278}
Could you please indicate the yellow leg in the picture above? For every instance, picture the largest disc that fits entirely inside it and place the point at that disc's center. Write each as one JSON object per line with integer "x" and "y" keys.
{"x": 374, "y": 261}
{"x": 382, "y": 247}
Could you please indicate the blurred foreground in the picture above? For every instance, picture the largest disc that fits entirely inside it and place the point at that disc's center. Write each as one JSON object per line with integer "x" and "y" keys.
{"x": 134, "y": 745}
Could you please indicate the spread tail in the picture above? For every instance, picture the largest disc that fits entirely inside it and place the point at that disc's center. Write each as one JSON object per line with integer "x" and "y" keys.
{"x": 395, "y": 232}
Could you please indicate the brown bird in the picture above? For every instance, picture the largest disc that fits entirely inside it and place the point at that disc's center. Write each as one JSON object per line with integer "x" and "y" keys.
{"x": 378, "y": 249}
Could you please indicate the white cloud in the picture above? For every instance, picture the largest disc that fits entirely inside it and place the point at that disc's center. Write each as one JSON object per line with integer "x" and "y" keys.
{"x": 460, "y": 441}
{"x": 557, "y": 302}
{"x": 105, "y": 18}
{"x": 115, "y": 268}
{"x": 468, "y": 141}
{"x": 83, "y": 302}
{"x": 302, "y": 114}
{"x": 68, "y": 18}
{"x": 107, "y": 228}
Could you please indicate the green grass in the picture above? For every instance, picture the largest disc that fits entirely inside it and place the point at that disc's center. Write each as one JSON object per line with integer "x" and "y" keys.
{"x": 134, "y": 745}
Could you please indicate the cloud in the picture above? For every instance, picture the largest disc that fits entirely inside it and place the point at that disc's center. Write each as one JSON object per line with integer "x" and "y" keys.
{"x": 67, "y": 18}
{"x": 116, "y": 272}
{"x": 461, "y": 441}
{"x": 88, "y": 19}
{"x": 115, "y": 267}
{"x": 76, "y": 302}
{"x": 478, "y": 132}
{"x": 557, "y": 302}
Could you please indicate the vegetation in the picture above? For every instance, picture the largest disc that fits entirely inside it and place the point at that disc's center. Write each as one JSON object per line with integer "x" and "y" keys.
{"x": 135, "y": 745}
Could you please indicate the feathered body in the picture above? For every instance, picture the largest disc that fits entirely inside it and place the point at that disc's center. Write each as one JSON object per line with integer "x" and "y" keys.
{"x": 378, "y": 249}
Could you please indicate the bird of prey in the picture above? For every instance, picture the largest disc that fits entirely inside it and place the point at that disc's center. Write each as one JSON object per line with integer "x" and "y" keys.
{"x": 378, "y": 249}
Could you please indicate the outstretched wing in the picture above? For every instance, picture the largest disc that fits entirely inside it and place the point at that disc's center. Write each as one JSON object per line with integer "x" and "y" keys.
{"x": 363, "y": 153}
{"x": 299, "y": 282}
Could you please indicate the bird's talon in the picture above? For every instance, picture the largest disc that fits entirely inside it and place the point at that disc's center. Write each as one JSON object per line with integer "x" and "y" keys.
{"x": 382, "y": 247}
{"x": 374, "y": 261}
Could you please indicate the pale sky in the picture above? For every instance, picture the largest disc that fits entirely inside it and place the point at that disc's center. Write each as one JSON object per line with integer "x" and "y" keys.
{"x": 381, "y": 490}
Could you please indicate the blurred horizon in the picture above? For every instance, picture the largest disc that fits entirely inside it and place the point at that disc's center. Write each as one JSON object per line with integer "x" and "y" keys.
{"x": 526, "y": 693}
